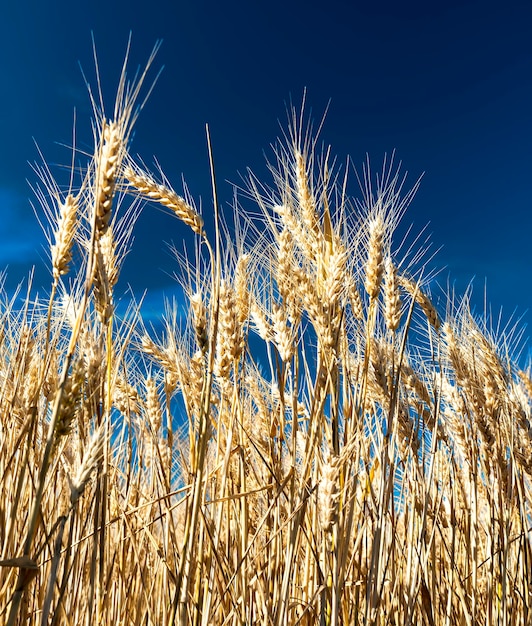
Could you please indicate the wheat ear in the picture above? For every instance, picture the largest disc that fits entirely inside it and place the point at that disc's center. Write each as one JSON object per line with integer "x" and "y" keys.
{"x": 199, "y": 321}
{"x": 392, "y": 300}
{"x": 91, "y": 459}
{"x": 64, "y": 236}
{"x": 106, "y": 171}
{"x": 305, "y": 197}
{"x": 374, "y": 264}
{"x": 147, "y": 186}
{"x": 105, "y": 276}
{"x": 423, "y": 300}
{"x": 230, "y": 342}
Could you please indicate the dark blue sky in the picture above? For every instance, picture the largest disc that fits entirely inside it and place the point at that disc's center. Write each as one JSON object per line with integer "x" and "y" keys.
{"x": 447, "y": 85}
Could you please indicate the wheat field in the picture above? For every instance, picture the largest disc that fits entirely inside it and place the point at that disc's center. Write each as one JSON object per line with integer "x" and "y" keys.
{"x": 321, "y": 441}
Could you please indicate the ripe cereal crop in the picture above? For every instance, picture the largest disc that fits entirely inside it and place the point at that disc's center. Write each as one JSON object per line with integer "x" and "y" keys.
{"x": 322, "y": 442}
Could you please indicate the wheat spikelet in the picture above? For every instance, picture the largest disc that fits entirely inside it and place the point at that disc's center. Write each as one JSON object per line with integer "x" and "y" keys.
{"x": 111, "y": 146}
{"x": 125, "y": 397}
{"x": 105, "y": 275}
{"x": 329, "y": 494}
{"x": 323, "y": 316}
{"x": 453, "y": 408}
{"x": 472, "y": 385}
{"x": 305, "y": 197}
{"x": 374, "y": 264}
{"x": 423, "y": 300}
{"x": 527, "y": 382}
{"x": 381, "y": 368}
{"x": 260, "y": 322}
{"x": 414, "y": 383}
{"x": 161, "y": 355}
{"x": 519, "y": 398}
{"x": 30, "y": 372}
{"x": 453, "y": 352}
{"x": 284, "y": 273}
{"x": 153, "y": 405}
{"x": 392, "y": 299}
{"x": 488, "y": 353}
{"x": 282, "y": 335}
{"x": 384, "y": 387}
{"x": 71, "y": 400}
{"x": 335, "y": 276}
{"x": 285, "y": 254}
{"x": 407, "y": 431}
{"x": 148, "y": 187}
{"x": 463, "y": 375}
{"x": 108, "y": 248}
{"x": 199, "y": 321}
{"x": 64, "y": 236}
{"x": 68, "y": 308}
{"x": 355, "y": 300}
{"x": 191, "y": 380}
{"x": 305, "y": 243}
{"x": 483, "y": 373}
{"x": 168, "y": 357}
{"x": 230, "y": 341}
{"x": 305, "y": 285}
{"x": 94, "y": 363}
{"x": 242, "y": 296}
{"x": 259, "y": 403}
{"x": 50, "y": 382}
{"x": 92, "y": 457}
{"x": 493, "y": 397}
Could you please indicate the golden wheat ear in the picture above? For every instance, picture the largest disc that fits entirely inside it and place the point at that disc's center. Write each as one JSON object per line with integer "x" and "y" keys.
{"x": 146, "y": 185}
{"x": 112, "y": 133}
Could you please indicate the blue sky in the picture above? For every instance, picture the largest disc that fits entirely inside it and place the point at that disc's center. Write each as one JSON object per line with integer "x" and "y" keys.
{"x": 447, "y": 85}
